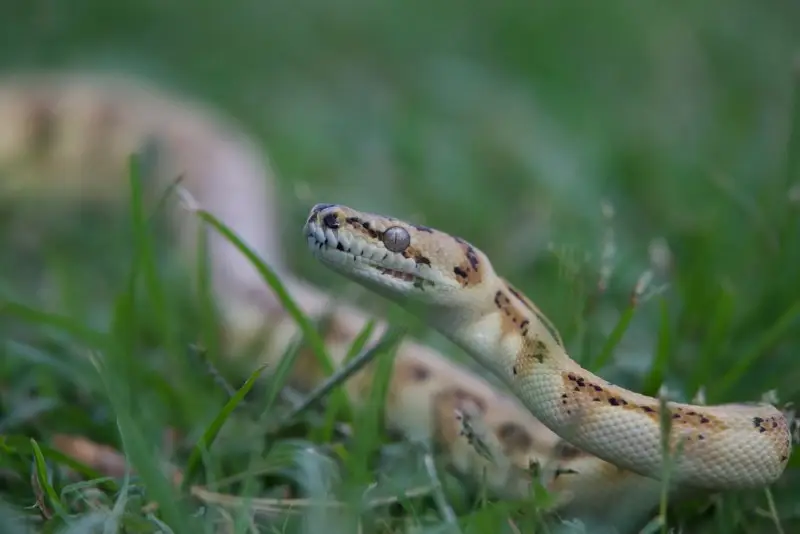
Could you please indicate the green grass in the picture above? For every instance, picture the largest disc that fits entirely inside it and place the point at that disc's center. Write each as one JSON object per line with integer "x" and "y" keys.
{"x": 508, "y": 124}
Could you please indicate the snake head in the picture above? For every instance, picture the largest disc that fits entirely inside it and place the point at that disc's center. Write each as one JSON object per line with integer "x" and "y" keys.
{"x": 399, "y": 260}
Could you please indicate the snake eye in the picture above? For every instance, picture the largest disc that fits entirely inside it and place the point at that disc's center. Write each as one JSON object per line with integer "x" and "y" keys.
{"x": 396, "y": 239}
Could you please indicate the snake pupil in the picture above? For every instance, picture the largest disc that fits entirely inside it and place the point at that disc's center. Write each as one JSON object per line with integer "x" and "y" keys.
{"x": 396, "y": 239}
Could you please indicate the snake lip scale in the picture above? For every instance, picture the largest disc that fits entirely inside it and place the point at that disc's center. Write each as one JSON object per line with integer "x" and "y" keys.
{"x": 319, "y": 238}
{"x": 724, "y": 447}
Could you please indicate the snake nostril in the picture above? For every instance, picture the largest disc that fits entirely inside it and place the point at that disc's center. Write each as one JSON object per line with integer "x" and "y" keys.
{"x": 331, "y": 221}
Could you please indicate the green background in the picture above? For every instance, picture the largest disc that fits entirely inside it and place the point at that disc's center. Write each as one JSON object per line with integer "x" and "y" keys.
{"x": 510, "y": 124}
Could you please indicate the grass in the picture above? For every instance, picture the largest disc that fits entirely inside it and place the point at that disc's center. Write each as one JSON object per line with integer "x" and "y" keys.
{"x": 509, "y": 124}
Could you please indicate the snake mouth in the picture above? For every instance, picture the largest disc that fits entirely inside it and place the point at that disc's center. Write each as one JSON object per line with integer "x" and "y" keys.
{"x": 400, "y": 275}
{"x": 337, "y": 248}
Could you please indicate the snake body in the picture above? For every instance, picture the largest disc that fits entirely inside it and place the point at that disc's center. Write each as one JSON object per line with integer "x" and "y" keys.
{"x": 66, "y": 136}
{"x": 452, "y": 284}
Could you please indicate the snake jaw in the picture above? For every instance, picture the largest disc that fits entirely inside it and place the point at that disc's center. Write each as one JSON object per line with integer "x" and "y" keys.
{"x": 365, "y": 262}
{"x": 391, "y": 257}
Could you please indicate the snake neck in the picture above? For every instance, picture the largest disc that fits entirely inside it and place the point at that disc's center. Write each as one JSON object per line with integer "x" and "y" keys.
{"x": 501, "y": 329}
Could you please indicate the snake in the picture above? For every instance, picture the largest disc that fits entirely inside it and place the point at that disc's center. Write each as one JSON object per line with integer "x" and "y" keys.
{"x": 65, "y": 137}
{"x": 454, "y": 287}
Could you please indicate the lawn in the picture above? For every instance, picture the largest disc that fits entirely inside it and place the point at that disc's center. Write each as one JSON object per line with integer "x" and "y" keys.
{"x": 542, "y": 132}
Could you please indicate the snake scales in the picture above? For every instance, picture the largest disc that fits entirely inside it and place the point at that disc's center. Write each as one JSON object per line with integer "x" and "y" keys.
{"x": 67, "y": 136}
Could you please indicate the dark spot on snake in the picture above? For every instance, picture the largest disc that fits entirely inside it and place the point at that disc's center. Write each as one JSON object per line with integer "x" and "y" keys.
{"x": 676, "y": 416}
{"x": 461, "y": 274}
{"x": 613, "y": 401}
{"x": 560, "y": 472}
{"x": 519, "y": 297}
{"x": 701, "y": 437}
{"x": 704, "y": 420}
{"x": 43, "y": 126}
{"x": 565, "y": 451}
{"x": 355, "y": 221}
{"x": 462, "y": 395}
{"x": 499, "y": 298}
{"x": 514, "y": 370}
{"x": 423, "y": 228}
{"x": 331, "y": 221}
{"x": 524, "y": 323}
{"x": 472, "y": 258}
{"x": 339, "y": 247}
{"x": 757, "y": 421}
{"x": 648, "y": 409}
{"x": 420, "y": 373}
{"x": 421, "y": 260}
{"x": 514, "y": 436}
{"x": 596, "y": 387}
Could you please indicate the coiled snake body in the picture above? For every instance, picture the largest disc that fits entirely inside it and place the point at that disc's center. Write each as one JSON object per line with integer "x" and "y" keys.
{"x": 454, "y": 285}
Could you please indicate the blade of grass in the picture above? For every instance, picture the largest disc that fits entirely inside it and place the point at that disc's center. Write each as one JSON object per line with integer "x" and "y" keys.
{"x": 668, "y": 460}
{"x": 21, "y": 445}
{"x": 143, "y": 244}
{"x": 715, "y": 342}
{"x": 273, "y": 281}
{"x": 792, "y": 169}
{"x": 279, "y": 378}
{"x": 334, "y": 408}
{"x": 140, "y": 451}
{"x": 389, "y": 339}
{"x": 211, "y": 431}
{"x": 209, "y": 319}
{"x": 655, "y": 377}
{"x": 92, "y": 338}
{"x": 44, "y": 481}
{"x": 746, "y": 361}
{"x": 368, "y": 423}
{"x": 614, "y": 339}
{"x": 119, "y": 373}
